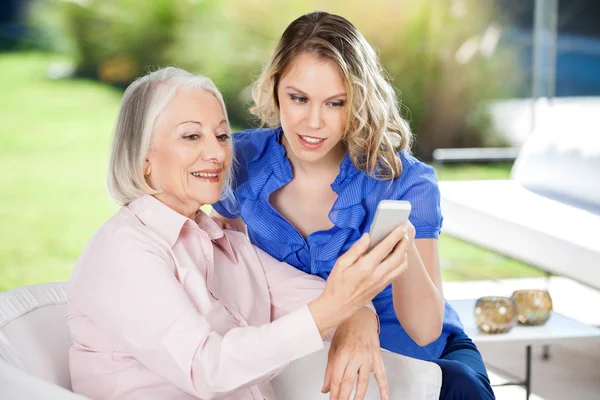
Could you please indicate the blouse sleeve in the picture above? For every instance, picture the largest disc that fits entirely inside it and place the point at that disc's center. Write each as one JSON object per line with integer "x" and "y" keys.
{"x": 290, "y": 288}
{"x": 130, "y": 291}
{"x": 420, "y": 188}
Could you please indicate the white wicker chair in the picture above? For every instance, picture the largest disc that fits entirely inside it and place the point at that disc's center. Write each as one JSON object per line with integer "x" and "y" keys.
{"x": 34, "y": 364}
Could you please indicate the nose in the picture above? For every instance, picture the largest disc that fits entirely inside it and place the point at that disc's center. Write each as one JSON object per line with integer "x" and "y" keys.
{"x": 213, "y": 151}
{"x": 315, "y": 119}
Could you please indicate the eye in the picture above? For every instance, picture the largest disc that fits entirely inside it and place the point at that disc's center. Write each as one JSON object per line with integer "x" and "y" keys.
{"x": 298, "y": 99}
{"x": 336, "y": 104}
{"x": 191, "y": 136}
{"x": 223, "y": 137}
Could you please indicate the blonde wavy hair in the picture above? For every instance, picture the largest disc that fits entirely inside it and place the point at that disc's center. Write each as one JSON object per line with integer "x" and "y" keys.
{"x": 375, "y": 131}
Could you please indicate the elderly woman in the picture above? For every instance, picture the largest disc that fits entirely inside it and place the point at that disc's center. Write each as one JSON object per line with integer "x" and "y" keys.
{"x": 162, "y": 302}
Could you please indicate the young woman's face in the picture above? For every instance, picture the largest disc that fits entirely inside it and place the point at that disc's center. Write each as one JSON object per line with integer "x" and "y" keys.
{"x": 190, "y": 152}
{"x": 312, "y": 105}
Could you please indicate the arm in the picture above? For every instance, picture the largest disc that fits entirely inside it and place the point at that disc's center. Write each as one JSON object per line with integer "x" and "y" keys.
{"x": 292, "y": 289}
{"x": 131, "y": 293}
{"x": 417, "y": 294}
{"x": 355, "y": 349}
{"x": 421, "y": 285}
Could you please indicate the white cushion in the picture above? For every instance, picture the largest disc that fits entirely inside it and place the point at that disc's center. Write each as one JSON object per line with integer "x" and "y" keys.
{"x": 408, "y": 378}
{"x": 34, "y": 338}
{"x": 561, "y": 158}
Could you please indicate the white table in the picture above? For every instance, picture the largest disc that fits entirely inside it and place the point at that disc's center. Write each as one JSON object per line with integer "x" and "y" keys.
{"x": 556, "y": 329}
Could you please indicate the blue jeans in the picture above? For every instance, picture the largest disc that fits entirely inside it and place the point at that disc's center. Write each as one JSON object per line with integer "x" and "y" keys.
{"x": 464, "y": 376}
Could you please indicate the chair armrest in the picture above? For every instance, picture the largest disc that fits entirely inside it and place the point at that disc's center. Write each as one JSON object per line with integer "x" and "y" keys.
{"x": 16, "y": 384}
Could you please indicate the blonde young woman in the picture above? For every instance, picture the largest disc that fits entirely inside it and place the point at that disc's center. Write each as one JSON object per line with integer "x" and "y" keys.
{"x": 308, "y": 187}
{"x": 165, "y": 305}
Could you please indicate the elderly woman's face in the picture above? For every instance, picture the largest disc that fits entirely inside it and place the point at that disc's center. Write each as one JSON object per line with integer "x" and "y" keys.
{"x": 190, "y": 152}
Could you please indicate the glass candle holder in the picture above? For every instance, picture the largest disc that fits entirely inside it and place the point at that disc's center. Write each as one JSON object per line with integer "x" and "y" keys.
{"x": 533, "y": 307}
{"x": 495, "y": 314}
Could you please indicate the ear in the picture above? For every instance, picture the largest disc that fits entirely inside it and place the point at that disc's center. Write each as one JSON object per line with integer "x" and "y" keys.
{"x": 147, "y": 168}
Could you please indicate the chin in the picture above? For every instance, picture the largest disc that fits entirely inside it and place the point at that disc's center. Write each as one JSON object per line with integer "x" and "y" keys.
{"x": 211, "y": 199}
{"x": 311, "y": 155}
{"x": 207, "y": 201}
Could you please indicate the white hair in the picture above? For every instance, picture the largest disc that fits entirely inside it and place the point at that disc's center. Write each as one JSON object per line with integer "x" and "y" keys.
{"x": 143, "y": 101}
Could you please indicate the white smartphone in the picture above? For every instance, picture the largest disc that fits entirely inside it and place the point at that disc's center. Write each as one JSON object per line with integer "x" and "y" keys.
{"x": 389, "y": 215}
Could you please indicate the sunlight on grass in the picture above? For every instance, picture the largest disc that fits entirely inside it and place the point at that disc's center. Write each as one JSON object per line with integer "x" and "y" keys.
{"x": 463, "y": 261}
{"x": 473, "y": 171}
{"x": 54, "y": 145}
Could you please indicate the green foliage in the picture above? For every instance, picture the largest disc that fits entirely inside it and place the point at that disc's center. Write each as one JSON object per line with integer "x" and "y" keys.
{"x": 116, "y": 40}
{"x": 441, "y": 55}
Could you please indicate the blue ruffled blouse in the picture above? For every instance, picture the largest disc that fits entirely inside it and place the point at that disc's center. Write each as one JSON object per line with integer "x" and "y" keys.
{"x": 262, "y": 168}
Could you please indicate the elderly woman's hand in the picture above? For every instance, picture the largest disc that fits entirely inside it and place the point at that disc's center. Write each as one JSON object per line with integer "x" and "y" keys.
{"x": 353, "y": 355}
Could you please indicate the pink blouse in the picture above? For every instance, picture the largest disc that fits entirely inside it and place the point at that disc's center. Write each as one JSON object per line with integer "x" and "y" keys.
{"x": 162, "y": 307}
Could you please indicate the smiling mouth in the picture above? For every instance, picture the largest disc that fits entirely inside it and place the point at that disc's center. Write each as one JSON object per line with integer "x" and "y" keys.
{"x": 209, "y": 176}
{"x": 204, "y": 174}
{"x": 311, "y": 142}
{"x": 311, "y": 139}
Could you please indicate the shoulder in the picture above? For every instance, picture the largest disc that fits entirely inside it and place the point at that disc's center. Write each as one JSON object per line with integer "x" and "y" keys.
{"x": 415, "y": 171}
{"x": 126, "y": 229}
{"x": 121, "y": 241}
{"x": 252, "y": 143}
{"x": 416, "y": 177}
{"x": 418, "y": 185}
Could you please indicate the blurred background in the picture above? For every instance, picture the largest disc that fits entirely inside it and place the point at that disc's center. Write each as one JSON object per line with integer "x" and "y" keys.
{"x": 463, "y": 69}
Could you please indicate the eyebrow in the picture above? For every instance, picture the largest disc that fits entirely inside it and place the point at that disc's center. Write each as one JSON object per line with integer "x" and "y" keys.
{"x": 223, "y": 121}
{"x": 343, "y": 94}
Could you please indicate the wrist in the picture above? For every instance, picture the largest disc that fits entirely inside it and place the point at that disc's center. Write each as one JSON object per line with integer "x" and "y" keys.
{"x": 327, "y": 314}
{"x": 373, "y": 317}
{"x": 364, "y": 319}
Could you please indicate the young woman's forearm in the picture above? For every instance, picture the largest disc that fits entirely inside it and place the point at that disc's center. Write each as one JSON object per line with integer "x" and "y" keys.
{"x": 418, "y": 303}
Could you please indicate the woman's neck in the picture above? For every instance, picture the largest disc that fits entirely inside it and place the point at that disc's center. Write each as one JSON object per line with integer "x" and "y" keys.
{"x": 187, "y": 209}
{"x": 328, "y": 166}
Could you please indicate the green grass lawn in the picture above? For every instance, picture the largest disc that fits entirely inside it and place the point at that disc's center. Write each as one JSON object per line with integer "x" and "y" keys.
{"x": 464, "y": 261}
{"x": 54, "y": 142}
